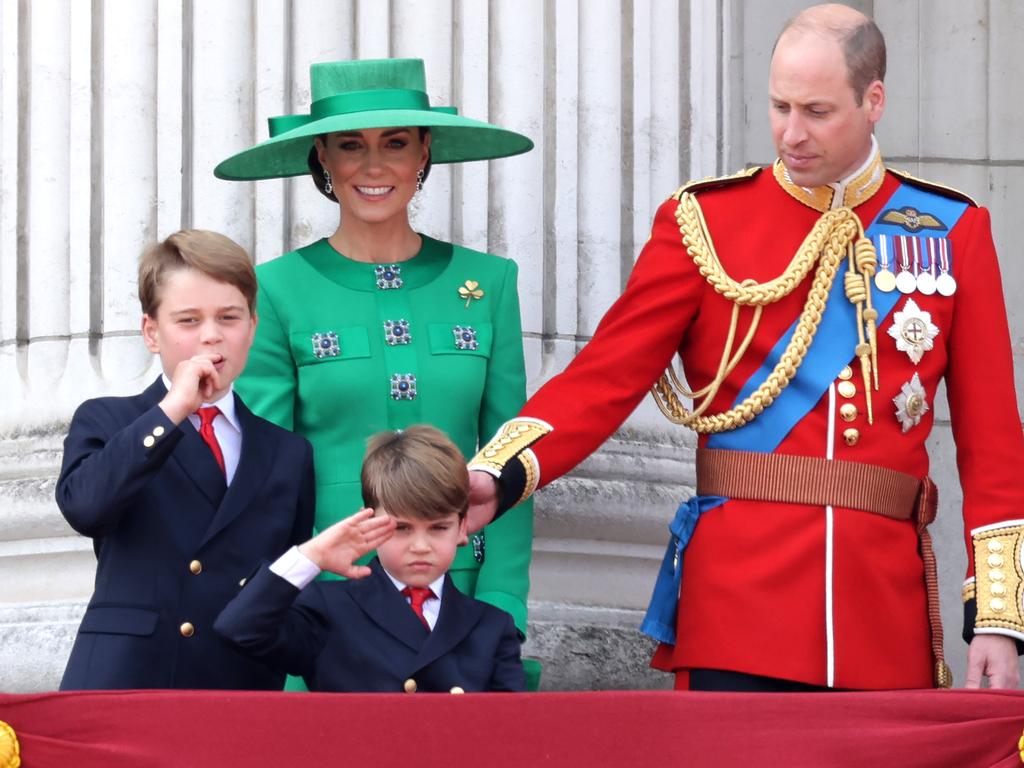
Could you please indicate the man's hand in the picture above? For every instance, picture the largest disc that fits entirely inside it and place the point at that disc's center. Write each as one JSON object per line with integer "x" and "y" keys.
{"x": 337, "y": 548}
{"x": 193, "y": 383}
{"x": 483, "y": 500}
{"x": 994, "y": 657}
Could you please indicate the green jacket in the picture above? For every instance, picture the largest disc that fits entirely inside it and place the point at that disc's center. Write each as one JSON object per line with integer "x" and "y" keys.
{"x": 322, "y": 366}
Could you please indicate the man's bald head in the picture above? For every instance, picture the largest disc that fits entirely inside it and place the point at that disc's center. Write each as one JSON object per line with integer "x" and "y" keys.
{"x": 861, "y": 41}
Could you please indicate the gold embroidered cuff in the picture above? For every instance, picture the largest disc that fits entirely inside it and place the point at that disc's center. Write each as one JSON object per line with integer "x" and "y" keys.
{"x": 967, "y": 591}
{"x": 532, "y": 469}
{"x": 999, "y": 576}
{"x": 513, "y": 438}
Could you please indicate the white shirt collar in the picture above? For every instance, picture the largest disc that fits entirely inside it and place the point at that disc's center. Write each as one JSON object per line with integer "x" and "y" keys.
{"x": 436, "y": 586}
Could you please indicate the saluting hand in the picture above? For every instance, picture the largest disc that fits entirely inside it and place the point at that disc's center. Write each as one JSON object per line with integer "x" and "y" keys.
{"x": 336, "y": 549}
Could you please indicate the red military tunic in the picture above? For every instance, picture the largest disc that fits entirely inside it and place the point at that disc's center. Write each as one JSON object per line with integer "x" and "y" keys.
{"x": 827, "y": 596}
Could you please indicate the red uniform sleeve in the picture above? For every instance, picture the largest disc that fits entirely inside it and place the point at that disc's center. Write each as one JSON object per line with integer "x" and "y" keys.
{"x": 979, "y": 381}
{"x": 631, "y": 347}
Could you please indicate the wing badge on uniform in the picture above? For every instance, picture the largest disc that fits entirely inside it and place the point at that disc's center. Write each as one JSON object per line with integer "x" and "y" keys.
{"x": 913, "y": 330}
{"x": 912, "y": 219}
{"x": 911, "y": 404}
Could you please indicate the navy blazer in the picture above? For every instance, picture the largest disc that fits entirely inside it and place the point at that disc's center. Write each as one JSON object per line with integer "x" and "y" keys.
{"x": 362, "y": 635}
{"x": 173, "y": 542}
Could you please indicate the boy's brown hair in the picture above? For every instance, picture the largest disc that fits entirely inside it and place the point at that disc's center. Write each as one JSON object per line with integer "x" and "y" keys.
{"x": 416, "y": 472}
{"x": 215, "y": 255}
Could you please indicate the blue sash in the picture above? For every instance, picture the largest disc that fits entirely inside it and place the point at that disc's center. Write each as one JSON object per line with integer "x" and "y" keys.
{"x": 819, "y": 369}
{"x": 660, "y": 620}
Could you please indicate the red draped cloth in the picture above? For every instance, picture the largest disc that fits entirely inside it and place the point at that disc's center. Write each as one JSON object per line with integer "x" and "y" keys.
{"x": 109, "y": 729}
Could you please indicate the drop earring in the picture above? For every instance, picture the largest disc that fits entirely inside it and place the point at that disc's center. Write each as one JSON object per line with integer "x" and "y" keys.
{"x": 419, "y": 180}
{"x": 328, "y": 187}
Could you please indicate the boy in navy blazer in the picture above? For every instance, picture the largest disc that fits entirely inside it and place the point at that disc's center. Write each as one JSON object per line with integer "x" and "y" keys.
{"x": 182, "y": 489}
{"x": 399, "y": 623}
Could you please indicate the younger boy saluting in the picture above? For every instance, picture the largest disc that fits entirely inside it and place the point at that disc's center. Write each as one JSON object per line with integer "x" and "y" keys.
{"x": 182, "y": 489}
{"x": 399, "y": 623}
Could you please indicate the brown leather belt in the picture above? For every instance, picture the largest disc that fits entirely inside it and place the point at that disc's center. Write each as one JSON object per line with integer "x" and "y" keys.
{"x": 807, "y": 480}
{"x": 823, "y": 482}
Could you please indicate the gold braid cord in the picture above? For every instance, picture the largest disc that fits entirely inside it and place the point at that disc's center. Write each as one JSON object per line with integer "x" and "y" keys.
{"x": 838, "y": 234}
{"x": 10, "y": 750}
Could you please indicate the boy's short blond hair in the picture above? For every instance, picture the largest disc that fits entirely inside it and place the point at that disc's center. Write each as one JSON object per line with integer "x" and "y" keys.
{"x": 215, "y": 255}
{"x": 416, "y": 472}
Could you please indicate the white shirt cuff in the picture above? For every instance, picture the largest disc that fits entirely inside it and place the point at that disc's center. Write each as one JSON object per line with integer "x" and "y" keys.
{"x": 295, "y": 568}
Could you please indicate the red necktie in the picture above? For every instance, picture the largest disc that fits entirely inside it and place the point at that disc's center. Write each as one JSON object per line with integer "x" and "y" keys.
{"x": 417, "y": 597}
{"x": 206, "y": 417}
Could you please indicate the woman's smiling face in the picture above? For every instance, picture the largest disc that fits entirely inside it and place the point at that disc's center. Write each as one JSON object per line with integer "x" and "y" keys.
{"x": 373, "y": 171}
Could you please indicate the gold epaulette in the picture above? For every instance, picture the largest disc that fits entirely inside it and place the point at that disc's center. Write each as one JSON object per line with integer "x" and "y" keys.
{"x": 931, "y": 186}
{"x": 712, "y": 182}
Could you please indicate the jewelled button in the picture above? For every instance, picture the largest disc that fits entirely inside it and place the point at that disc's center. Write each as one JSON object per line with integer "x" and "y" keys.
{"x": 397, "y": 332}
{"x": 403, "y": 386}
{"x": 389, "y": 276}
{"x": 325, "y": 344}
{"x": 465, "y": 337}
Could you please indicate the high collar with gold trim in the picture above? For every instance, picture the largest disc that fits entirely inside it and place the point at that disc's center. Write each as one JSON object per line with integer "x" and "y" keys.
{"x": 852, "y": 191}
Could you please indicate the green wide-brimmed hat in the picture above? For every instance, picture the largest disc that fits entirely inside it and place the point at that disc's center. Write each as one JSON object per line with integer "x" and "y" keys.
{"x": 357, "y": 95}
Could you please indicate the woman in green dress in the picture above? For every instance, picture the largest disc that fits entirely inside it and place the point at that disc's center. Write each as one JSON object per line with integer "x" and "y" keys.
{"x": 378, "y": 326}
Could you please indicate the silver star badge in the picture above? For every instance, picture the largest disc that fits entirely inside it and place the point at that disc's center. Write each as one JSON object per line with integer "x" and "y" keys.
{"x": 913, "y": 330}
{"x": 911, "y": 404}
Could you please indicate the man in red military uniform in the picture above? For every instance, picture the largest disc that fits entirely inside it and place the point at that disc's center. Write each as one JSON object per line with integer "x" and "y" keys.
{"x": 815, "y": 305}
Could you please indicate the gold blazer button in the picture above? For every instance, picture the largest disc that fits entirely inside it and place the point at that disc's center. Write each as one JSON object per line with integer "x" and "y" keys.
{"x": 186, "y": 629}
{"x": 410, "y": 686}
{"x": 456, "y": 689}
{"x": 196, "y": 567}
